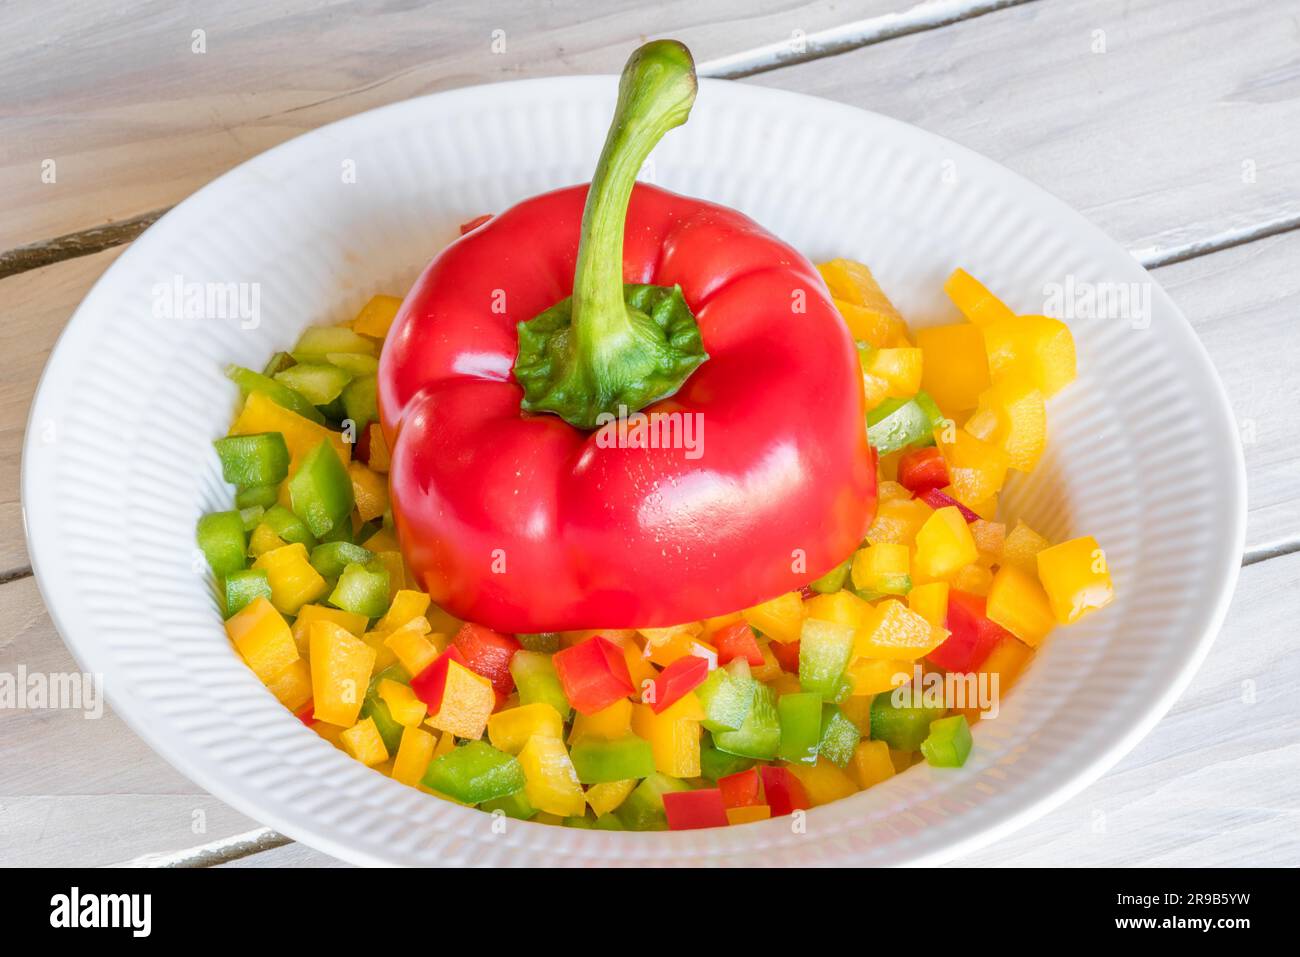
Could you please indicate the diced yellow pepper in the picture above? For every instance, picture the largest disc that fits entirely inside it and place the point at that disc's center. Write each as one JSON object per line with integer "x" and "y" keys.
{"x": 882, "y": 568}
{"x": 467, "y": 703}
{"x": 383, "y": 540}
{"x": 866, "y": 309}
{"x": 397, "y": 580}
{"x": 385, "y": 657}
{"x": 898, "y": 633}
{"x": 340, "y": 673}
{"x": 376, "y": 316}
{"x": 639, "y": 668}
{"x": 943, "y": 545}
{"x": 857, "y": 708}
{"x": 748, "y": 814}
{"x": 1007, "y": 660}
{"x": 292, "y": 686}
{"x": 871, "y": 763}
{"x": 780, "y": 618}
{"x": 413, "y": 756}
{"x": 415, "y": 651}
{"x": 841, "y": 607}
{"x": 370, "y": 491}
{"x": 674, "y": 740}
{"x": 976, "y": 469}
{"x": 902, "y": 760}
{"x": 1021, "y": 548}
{"x": 890, "y": 373}
{"x": 407, "y": 604}
{"x": 712, "y": 625}
{"x": 301, "y": 435}
{"x": 989, "y": 540}
{"x": 898, "y": 521}
{"x": 1019, "y": 604}
{"x": 608, "y": 724}
{"x": 785, "y": 683}
{"x": 263, "y": 540}
{"x": 510, "y": 730}
{"x": 293, "y": 581}
{"x": 679, "y": 645}
{"x": 263, "y": 638}
{"x": 446, "y": 742}
{"x": 955, "y": 367}
{"x": 1037, "y": 348}
{"x": 406, "y": 709}
{"x": 659, "y": 636}
{"x": 871, "y": 676}
{"x": 380, "y": 457}
{"x": 823, "y": 781}
{"x": 770, "y": 667}
{"x": 1075, "y": 576}
{"x": 364, "y": 743}
{"x": 609, "y": 795}
{"x": 1012, "y": 415}
{"x": 930, "y": 601}
{"x": 975, "y": 579}
{"x": 308, "y": 615}
{"x": 552, "y": 783}
{"x": 975, "y": 302}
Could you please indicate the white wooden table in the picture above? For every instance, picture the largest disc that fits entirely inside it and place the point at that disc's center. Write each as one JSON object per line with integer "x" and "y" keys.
{"x": 1172, "y": 124}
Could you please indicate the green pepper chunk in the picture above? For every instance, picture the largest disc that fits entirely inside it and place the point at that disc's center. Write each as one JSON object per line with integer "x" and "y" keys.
{"x": 949, "y": 742}
{"x": 362, "y": 589}
{"x": 475, "y": 772}
{"x": 643, "y": 810}
{"x": 903, "y": 728}
{"x": 245, "y": 586}
{"x": 376, "y": 708}
{"x": 252, "y": 517}
{"x": 895, "y": 424}
{"x": 353, "y": 363}
{"x": 514, "y": 805}
{"x": 331, "y": 558}
{"x": 834, "y": 579}
{"x": 317, "y": 342}
{"x": 726, "y": 699}
{"x": 252, "y": 460}
{"x": 224, "y": 542}
{"x": 321, "y": 490}
{"x": 537, "y": 682}
{"x": 579, "y": 821}
{"x": 716, "y": 764}
{"x": 262, "y": 496}
{"x": 288, "y": 527}
{"x": 801, "y": 725}
{"x": 598, "y": 761}
{"x": 608, "y": 822}
{"x": 547, "y": 641}
{"x": 277, "y": 392}
{"x": 361, "y": 401}
{"x": 839, "y": 736}
{"x": 824, "y": 651}
{"x": 760, "y": 734}
{"x": 318, "y": 382}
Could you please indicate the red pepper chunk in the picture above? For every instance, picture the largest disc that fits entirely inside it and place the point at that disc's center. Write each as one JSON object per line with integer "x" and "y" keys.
{"x": 305, "y": 714}
{"x": 937, "y": 500}
{"x": 488, "y": 653}
{"x": 738, "y": 641}
{"x": 972, "y": 635}
{"x": 783, "y": 792}
{"x": 430, "y": 683}
{"x": 740, "y": 789}
{"x": 593, "y": 674}
{"x": 475, "y": 223}
{"x": 677, "y": 680}
{"x": 922, "y": 469}
{"x": 691, "y": 810}
{"x": 786, "y": 655}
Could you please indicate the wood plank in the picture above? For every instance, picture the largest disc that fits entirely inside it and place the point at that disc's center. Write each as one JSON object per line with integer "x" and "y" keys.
{"x": 1185, "y": 130}
{"x": 154, "y": 120}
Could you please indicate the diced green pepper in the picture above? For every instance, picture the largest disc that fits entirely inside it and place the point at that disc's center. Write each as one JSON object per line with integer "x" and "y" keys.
{"x": 949, "y": 742}
{"x": 263, "y": 496}
{"x": 514, "y": 805}
{"x": 583, "y": 822}
{"x": 353, "y": 363}
{"x": 897, "y": 423}
{"x": 342, "y": 532}
{"x": 252, "y": 517}
{"x": 331, "y": 558}
{"x": 243, "y": 587}
{"x": 318, "y": 382}
{"x": 902, "y": 728}
{"x": 475, "y": 772}
{"x": 726, "y": 699}
{"x": 547, "y": 641}
{"x": 362, "y": 589}
{"x": 288, "y": 527}
{"x": 834, "y": 579}
{"x": 319, "y": 341}
{"x": 321, "y": 490}
{"x": 643, "y": 810}
{"x": 248, "y": 461}
{"x": 278, "y": 363}
{"x": 361, "y": 400}
{"x": 716, "y": 764}
{"x": 376, "y": 708}
{"x": 608, "y": 822}
{"x": 801, "y": 725}
{"x": 277, "y": 392}
{"x": 597, "y": 760}
{"x": 537, "y": 682}
{"x": 224, "y": 542}
{"x": 839, "y": 736}
{"x": 760, "y": 735}
{"x": 824, "y": 650}
{"x": 932, "y": 412}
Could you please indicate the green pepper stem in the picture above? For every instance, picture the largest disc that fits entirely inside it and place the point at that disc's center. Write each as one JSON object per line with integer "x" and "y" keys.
{"x": 655, "y": 94}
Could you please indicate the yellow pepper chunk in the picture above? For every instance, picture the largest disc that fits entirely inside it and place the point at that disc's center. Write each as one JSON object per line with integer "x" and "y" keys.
{"x": 897, "y": 633}
{"x": 674, "y": 740}
{"x": 955, "y": 367}
{"x": 364, "y": 743}
{"x": 975, "y": 579}
{"x": 467, "y": 703}
{"x": 308, "y": 615}
{"x": 1038, "y": 349}
{"x": 883, "y": 568}
{"x": 412, "y": 648}
{"x": 407, "y": 604}
{"x": 867, "y": 311}
{"x": 930, "y": 601}
{"x": 607, "y": 724}
{"x": 1012, "y": 415}
{"x": 780, "y": 618}
{"x": 943, "y": 545}
{"x": 552, "y": 783}
{"x": 511, "y": 729}
{"x": 340, "y": 672}
{"x": 293, "y": 581}
{"x": 263, "y": 540}
{"x": 370, "y": 491}
{"x": 841, "y": 607}
{"x": 414, "y": 753}
{"x": 976, "y": 469}
{"x": 609, "y": 795}
{"x": 898, "y": 521}
{"x": 1019, "y": 604}
{"x": 872, "y": 676}
{"x": 975, "y": 302}
{"x": 1008, "y": 660}
{"x": 380, "y": 457}
{"x": 871, "y": 764}
{"x": 890, "y": 373}
{"x": 446, "y": 742}
{"x": 823, "y": 781}
{"x": 748, "y": 814}
{"x": 712, "y": 625}
{"x": 301, "y": 435}
{"x": 1021, "y": 548}
{"x": 857, "y": 708}
{"x": 770, "y": 667}
{"x": 406, "y": 709}
{"x": 990, "y": 538}
{"x": 1075, "y": 576}
{"x": 292, "y": 686}
{"x": 263, "y": 638}
{"x": 376, "y": 316}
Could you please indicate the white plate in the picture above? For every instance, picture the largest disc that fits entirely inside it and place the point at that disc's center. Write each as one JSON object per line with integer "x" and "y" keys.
{"x": 117, "y": 465}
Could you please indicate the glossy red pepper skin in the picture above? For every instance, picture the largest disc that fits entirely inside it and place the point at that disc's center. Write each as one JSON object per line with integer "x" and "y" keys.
{"x": 972, "y": 634}
{"x": 431, "y": 683}
{"x": 593, "y": 674}
{"x": 678, "y": 680}
{"x": 786, "y": 655}
{"x": 690, "y": 810}
{"x": 525, "y": 524}
{"x": 740, "y": 789}
{"x": 488, "y": 653}
{"x": 738, "y": 641}
{"x": 783, "y": 792}
{"x": 920, "y": 470}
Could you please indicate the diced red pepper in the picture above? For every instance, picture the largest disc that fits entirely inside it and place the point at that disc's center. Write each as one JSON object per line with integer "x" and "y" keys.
{"x": 689, "y": 810}
{"x": 361, "y": 451}
{"x": 593, "y": 673}
{"x": 430, "y": 683}
{"x": 782, "y": 791}
{"x": 740, "y": 789}
{"x": 737, "y": 641}
{"x": 305, "y": 714}
{"x": 922, "y": 469}
{"x": 787, "y": 655}
{"x": 972, "y": 635}
{"x": 677, "y": 680}
{"x": 488, "y": 653}
{"x": 474, "y": 223}
{"x": 937, "y": 500}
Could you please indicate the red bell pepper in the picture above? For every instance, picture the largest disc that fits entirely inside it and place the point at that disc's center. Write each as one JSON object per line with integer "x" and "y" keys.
{"x": 488, "y": 653}
{"x": 737, "y": 641}
{"x": 786, "y": 655}
{"x": 922, "y": 469}
{"x": 430, "y": 683}
{"x": 972, "y": 635}
{"x": 689, "y": 810}
{"x": 306, "y": 714}
{"x": 740, "y": 789}
{"x": 593, "y": 674}
{"x": 782, "y": 791}
{"x": 678, "y": 680}
{"x": 937, "y": 500}
{"x": 521, "y": 503}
